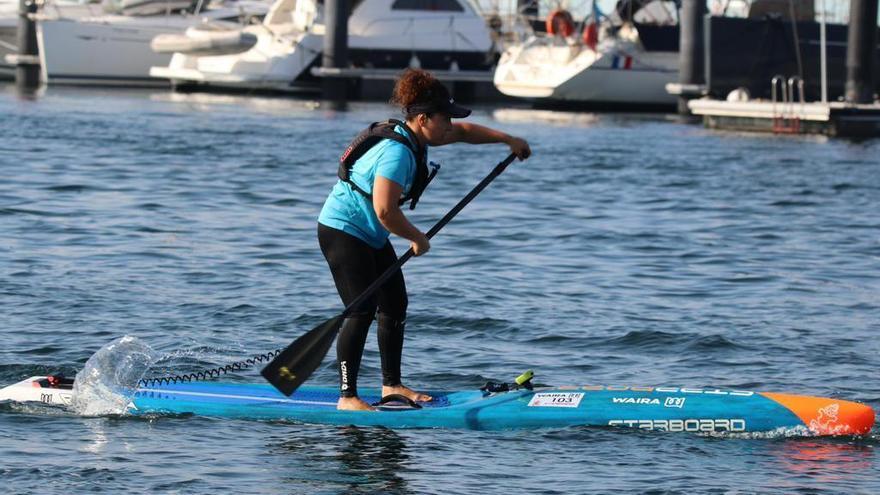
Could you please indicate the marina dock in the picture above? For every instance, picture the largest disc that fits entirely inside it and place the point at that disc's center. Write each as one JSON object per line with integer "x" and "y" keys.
{"x": 837, "y": 119}
{"x": 801, "y": 96}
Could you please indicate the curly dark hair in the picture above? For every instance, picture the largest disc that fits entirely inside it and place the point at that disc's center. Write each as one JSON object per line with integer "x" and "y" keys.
{"x": 413, "y": 86}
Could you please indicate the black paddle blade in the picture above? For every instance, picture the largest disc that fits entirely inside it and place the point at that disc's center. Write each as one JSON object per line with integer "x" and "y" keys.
{"x": 301, "y": 358}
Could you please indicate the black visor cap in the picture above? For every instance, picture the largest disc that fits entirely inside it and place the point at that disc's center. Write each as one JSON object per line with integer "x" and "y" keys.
{"x": 440, "y": 101}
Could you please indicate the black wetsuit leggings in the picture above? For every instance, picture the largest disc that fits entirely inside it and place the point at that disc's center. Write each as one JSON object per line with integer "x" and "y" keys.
{"x": 355, "y": 265}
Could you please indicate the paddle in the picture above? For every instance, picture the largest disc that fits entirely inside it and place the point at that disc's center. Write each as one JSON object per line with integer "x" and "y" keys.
{"x": 295, "y": 364}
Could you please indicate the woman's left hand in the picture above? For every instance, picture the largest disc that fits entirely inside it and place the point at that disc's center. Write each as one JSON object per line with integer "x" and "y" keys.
{"x": 519, "y": 147}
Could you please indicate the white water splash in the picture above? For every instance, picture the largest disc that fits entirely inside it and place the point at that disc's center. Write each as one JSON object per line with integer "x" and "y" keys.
{"x": 781, "y": 432}
{"x": 110, "y": 377}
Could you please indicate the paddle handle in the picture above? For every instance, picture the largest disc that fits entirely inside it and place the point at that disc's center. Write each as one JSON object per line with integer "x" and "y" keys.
{"x": 431, "y": 233}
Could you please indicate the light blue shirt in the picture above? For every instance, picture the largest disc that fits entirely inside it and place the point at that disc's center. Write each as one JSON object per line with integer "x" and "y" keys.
{"x": 352, "y": 212}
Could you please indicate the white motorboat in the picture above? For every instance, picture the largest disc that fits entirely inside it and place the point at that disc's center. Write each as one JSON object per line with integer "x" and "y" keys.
{"x": 114, "y": 48}
{"x": 9, "y": 25}
{"x": 625, "y": 64}
{"x": 384, "y": 35}
{"x": 8, "y": 36}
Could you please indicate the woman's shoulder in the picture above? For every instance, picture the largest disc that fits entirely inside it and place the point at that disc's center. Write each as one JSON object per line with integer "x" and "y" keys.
{"x": 391, "y": 151}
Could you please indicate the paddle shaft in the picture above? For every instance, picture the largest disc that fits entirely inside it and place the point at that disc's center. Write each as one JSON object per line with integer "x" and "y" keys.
{"x": 431, "y": 233}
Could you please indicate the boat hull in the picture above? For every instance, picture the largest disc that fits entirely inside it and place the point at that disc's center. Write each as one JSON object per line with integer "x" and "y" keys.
{"x": 8, "y": 46}
{"x": 110, "y": 50}
{"x": 605, "y": 78}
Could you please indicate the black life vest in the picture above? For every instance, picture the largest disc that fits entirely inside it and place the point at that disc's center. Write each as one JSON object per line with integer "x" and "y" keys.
{"x": 371, "y": 136}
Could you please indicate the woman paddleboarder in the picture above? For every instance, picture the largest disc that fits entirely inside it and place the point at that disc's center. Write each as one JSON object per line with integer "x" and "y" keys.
{"x": 384, "y": 167}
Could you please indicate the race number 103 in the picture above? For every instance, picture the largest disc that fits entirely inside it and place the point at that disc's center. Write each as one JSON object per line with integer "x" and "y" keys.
{"x": 556, "y": 399}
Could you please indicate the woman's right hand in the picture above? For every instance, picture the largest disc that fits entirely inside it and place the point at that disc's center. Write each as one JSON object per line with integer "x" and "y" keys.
{"x": 420, "y": 245}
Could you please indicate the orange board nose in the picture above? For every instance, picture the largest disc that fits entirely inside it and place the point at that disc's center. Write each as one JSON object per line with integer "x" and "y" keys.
{"x": 825, "y": 416}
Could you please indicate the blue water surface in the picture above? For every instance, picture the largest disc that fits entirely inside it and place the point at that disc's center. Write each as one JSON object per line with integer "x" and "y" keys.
{"x": 630, "y": 250}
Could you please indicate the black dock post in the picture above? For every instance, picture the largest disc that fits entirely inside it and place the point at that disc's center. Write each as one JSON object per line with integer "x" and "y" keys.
{"x": 27, "y": 71}
{"x": 690, "y": 65}
{"x": 861, "y": 49}
{"x": 335, "y": 50}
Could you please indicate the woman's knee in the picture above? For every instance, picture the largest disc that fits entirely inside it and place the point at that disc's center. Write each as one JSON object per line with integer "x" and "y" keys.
{"x": 394, "y": 311}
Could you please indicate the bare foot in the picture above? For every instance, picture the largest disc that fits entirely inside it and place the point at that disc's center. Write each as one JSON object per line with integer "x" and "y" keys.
{"x": 353, "y": 404}
{"x": 406, "y": 392}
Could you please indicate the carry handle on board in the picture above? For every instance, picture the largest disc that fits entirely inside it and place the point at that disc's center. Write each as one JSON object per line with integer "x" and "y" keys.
{"x": 295, "y": 364}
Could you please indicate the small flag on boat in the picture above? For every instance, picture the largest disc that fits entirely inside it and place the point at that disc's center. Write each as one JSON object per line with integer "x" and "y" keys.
{"x": 627, "y": 62}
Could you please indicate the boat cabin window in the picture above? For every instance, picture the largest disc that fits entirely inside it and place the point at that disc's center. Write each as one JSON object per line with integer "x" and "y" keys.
{"x": 431, "y": 5}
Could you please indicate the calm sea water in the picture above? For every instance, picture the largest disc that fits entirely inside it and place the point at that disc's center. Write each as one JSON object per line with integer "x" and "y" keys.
{"x": 630, "y": 250}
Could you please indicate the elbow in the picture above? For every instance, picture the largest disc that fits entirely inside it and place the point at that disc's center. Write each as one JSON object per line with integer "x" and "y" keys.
{"x": 385, "y": 214}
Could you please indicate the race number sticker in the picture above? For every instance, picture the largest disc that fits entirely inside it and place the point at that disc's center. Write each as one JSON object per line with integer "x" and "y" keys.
{"x": 556, "y": 400}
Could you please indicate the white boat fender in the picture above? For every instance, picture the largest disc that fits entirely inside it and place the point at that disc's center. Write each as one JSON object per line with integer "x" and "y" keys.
{"x": 204, "y": 42}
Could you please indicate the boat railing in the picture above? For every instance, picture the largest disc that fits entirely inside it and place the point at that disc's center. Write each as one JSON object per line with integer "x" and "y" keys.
{"x": 785, "y": 118}
{"x": 796, "y": 82}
